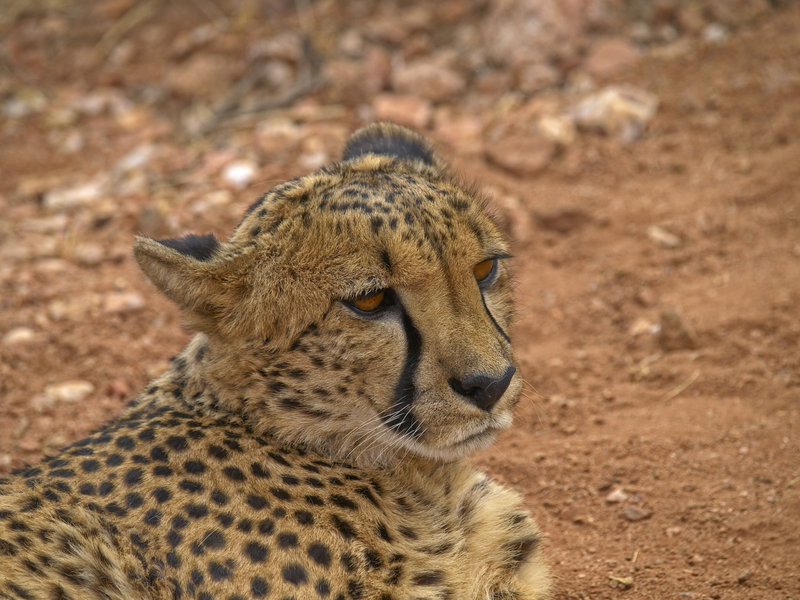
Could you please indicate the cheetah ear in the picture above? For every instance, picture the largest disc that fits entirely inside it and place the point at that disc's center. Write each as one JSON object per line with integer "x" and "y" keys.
{"x": 388, "y": 139}
{"x": 195, "y": 273}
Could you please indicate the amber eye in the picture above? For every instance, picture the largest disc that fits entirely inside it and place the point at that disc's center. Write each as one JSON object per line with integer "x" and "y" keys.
{"x": 371, "y": 302}
{"x": 484, "y": 268}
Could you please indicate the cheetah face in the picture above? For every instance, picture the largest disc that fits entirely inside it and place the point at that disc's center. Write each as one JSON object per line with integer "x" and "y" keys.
{"x": 363, "y": 309}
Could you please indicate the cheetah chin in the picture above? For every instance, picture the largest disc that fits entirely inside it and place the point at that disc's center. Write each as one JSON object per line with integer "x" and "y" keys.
{"x": 351, "y": 349}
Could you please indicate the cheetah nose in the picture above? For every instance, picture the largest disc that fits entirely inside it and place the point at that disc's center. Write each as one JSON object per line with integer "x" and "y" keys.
{"x": 483, "y": 390}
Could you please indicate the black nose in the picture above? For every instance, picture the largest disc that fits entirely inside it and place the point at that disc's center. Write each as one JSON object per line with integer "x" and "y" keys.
{"x": 482, "y": 390}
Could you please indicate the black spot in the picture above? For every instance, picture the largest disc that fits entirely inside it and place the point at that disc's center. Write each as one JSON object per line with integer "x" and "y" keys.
{"x": 177, "y": 442}
{"x": 225, "y": 519}
{"x": 174, "y": 538}
{"x": 259, "y": 471}
{"x": 257, "y": 502}
{"x": 244, "y": 525}
{"x": 62, "y": 473}
{"x": 279, "y": 459}
{"x": 290, "y": 480}
{"x": 114, "y": 460}
{"x": 178, "y": 522}
{"x": 323, "y": 588}
{"x": 314, "y": 482}
{"x": 521, "y": 549}
{"x": 218, "y": 452}
{"x": 195, "y": 467}
{"x": 158, "y": 453}
{"x": 427, "y": 578}
{"x": 233, "y": 473}
{"x": 344, "y": 527}
{"x": 259, "y": 587}
{"x": 320, "y": 554}
{"x": 90, "y": 465}
{"x": 147, "y": 435}
{"x": 256, "y": 552}
{"x": 87, "y": 489}
{"x": 266, "y": 526}
{"x": 315, "y": 500}
{"x": 105, "y": 488}
{"x": 233, "y": 445}
{"x": 367, "y": 493}
{"x": 161, "y": 494}
{"x": 343, "y": 502}
{"x": 384, "y": 533}
{"x": 133, "y": 476}
{"x": 218, "y": 497}
{"x": 218, "y": 571}
{"x": 162, "y": 471}
{"x": 173, "y": 560}
{"x": 191, "y": 486}
{"x": 201, "y": 247}
{"x": 213, "y": 539}
{"x": 197, "y": 577}
{"x": 152, "y": 517}
{"x": 294, "y": 574}
{"x": 125, "y": 442}
{"x": 355, "y": 589}
{"x": 287, "y": 540}
{"x": 196, "y": 511}
{"x": 304, "y": 517}
{"x": 408, "y": 532}
{"x": 280, "y": 493}
{"x": 373, "y": 559}
{"x": 133, "y": 500}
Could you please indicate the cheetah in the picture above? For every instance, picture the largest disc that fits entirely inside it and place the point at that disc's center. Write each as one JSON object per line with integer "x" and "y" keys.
{"x": 351, "y": 349}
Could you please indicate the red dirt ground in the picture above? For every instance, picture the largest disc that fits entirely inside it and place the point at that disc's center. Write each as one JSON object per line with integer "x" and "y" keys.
{"x": 660, "y": 465}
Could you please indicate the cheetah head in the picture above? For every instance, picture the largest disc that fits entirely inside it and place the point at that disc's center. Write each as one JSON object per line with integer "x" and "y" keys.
{"x": 361, "y": 310}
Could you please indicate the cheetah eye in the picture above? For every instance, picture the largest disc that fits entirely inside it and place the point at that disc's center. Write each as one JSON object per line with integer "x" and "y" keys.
{"x": 371, "y": 303}
{"x": 484, "y": 270}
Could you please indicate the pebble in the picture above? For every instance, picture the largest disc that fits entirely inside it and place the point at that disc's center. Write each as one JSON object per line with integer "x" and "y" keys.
{"x": 89, "y": 254}
{"x": 522, "y": 154}
{"x": 623, "y": 111}
{"x": 18, "y": 335}
{"x": 122, "y": 302}
{"x": 675, "y": 333}
{"x": 69, "y": 391}
{"x": 616, "y": 496}
{"x": 662, "y": 237}
{"x": 715, "y": 33}
{"x": 743, "y": 577}
{"x": 429, "y": 80}
{"x": 559, "y": 129}
{"x": 136, "y": 158}
{"x": 82, "y": 194}
{"x": 412, "y": 111}
{"x": 610, "y": 57}
{"x": 239, "y": 173}
{"x": 635, "y": 513}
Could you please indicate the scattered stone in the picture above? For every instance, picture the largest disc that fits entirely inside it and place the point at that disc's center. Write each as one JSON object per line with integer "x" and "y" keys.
{"x": 5, "y": 462}
{"x": 715, "y": 33}
{"x": 642, "y": 326}
{"x": 743, "y": 577}
{"x": 412, "y": 111}
{"x": 89, "y": 254}
{"x": 635, "y": 513}
{"x": 136, "y": 158}
{"x": 24, "y": 102}
{"x": 522, "y": 154}
{"x": 617, "y": 496}
{"x": 42, "y": 403}
{"x": 662, "y": 237}
{"x": 564, "y": 220}
{"x": 610, "y": 57}
{"x": 239, "y": 173}
{"x": 559, "y": 129}
{"x": 429, "y": 80}
{"x": 623, "y": 111}
{"x": 122, "y": 302}
{"x": 117, "y": 388}
{"x": 52, "y": 224}
{"x": 675, "y": 333}
{"x": 69, "y": 392}
{"x": 76, "y": 196}
{"x": 695, "y": 559}
{"x": 622, "y": 582}
{"x": 645, "y": 297}
{"x": 18, "y": 335}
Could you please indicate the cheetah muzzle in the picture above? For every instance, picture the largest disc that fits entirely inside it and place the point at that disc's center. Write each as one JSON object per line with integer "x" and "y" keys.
{"x": 352, "y": 349}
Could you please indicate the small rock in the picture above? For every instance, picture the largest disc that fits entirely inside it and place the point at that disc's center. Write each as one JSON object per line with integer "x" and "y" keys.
{"x": 559, "y": 129}
{"x": 662, "y": 237}
{"x": 522, "y": 154}
{"x": 5, "y": 462}
{"x": 136, "y": 158}
{"x": 623, "y": 111}
{"x": 675, "y": 333}
{"x": 71, "y": 197}
{"x": 641, "y": 326}
{"x": 429, "y": 80}
{"x": 413, "y": 111}
{"x": 563, "y": 220}
{"x": 610, "y": 57}
{"x": 695, "y": 559}
{"x": 42, "y": 403}
{"x": 616, "y": 496}
{"x": 89, "y": 254}
{"x": 715, "y": 33}
{"x": 18, "y": 335}
{"x": 51, "y": 224}
{"x": 69, "y": 391}
{"x": 239, "y": 173}
{"x": 122, "y": 302}
{"x": 743, "y": 577}
{"x": 635, "y": 513}
{"x": 117, "y": 388}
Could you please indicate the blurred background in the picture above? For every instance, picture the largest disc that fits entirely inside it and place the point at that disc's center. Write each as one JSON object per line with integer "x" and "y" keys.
{"x": 644, "y": 156}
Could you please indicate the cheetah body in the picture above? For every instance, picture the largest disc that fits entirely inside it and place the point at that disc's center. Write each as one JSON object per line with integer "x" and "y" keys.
{"x": 301, "y": 446}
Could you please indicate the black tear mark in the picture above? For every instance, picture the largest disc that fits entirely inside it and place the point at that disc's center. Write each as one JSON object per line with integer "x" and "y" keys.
{"x": 401, "y": 417}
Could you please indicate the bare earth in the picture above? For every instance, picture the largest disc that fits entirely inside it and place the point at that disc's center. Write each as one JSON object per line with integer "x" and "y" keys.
{"x": 658, "y": 444}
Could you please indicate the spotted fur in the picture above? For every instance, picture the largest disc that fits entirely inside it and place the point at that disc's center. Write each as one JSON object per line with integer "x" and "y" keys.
{"x": 300, "y": 447}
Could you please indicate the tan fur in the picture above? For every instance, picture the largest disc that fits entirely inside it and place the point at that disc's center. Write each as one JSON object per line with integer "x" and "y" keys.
{"x": 297, "y": 447}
